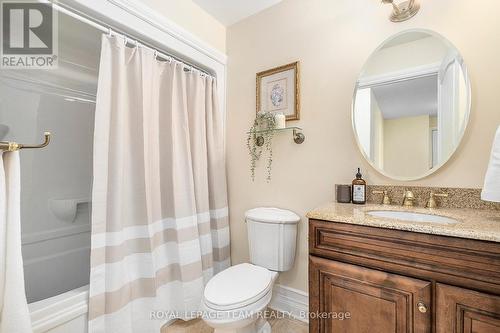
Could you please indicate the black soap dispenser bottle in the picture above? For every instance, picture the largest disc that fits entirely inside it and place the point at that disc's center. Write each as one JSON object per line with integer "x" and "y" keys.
{"x": 359, "y": 189}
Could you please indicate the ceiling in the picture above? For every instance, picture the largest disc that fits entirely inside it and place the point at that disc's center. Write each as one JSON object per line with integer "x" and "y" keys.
{"x": 229, "y": 12}
{"x": 408, "y": 98}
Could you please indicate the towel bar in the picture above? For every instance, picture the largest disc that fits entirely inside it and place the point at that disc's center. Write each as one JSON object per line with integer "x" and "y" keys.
{"x": 13, "y": 146}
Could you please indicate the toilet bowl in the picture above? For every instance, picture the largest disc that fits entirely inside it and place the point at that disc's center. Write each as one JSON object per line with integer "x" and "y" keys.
{"x": 235, "y": 299}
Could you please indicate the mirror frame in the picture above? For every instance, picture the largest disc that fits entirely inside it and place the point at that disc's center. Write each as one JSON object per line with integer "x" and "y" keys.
{"x": 468, "y": 106}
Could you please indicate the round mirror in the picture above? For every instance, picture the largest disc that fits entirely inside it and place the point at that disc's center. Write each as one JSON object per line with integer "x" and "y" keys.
{"x": 411, "y": 104}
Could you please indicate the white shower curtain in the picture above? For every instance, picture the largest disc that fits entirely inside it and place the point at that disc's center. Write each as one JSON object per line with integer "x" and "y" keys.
{"x": 14, "y": 313}
{"x": 159, "y": 205}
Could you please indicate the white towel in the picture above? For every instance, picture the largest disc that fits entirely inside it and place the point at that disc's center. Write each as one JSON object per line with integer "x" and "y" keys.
{"x": 491, "y": 189}
{"x": 14, "y": 313}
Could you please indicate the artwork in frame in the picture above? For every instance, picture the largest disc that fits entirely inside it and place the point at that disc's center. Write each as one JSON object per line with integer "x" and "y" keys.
{"x": 278, "y": 91}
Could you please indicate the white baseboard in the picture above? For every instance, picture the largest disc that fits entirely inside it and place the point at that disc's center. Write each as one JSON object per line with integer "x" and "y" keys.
{"x": 291, "y": 301}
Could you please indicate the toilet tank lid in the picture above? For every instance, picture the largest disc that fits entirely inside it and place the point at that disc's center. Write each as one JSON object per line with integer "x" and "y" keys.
{"x": 272, "y": 215}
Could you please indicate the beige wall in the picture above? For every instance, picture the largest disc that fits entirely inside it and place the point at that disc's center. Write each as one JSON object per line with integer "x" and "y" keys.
{"x": 192, "y": 18}
{"x": 332, "y": 39}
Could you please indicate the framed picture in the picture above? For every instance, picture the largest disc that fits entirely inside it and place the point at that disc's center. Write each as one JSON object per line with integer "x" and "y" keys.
{"x": 278, "y": 91}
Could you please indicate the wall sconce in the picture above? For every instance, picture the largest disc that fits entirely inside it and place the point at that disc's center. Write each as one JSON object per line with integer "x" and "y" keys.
{"x": 404, "y": 11}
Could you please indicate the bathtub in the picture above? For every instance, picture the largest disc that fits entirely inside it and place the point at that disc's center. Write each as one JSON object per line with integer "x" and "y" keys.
{"x": 65, "y": 313}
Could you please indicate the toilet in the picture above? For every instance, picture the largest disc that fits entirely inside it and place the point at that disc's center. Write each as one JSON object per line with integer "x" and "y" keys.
{"x": 234, "y": 299}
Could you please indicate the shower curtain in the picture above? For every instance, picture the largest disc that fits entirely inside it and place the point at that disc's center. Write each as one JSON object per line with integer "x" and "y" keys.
{"x": 14, "y": 312}
{"x": 159, "y": 204}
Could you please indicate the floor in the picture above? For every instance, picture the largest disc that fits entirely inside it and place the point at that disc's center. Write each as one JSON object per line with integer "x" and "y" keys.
{"x": 278, "y": 325}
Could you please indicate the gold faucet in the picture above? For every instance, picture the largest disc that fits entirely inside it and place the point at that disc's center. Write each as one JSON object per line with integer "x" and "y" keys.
{"x": 386, "y": 200}
{"x": 431, "y": 203}
{"x": 408, "y": 198}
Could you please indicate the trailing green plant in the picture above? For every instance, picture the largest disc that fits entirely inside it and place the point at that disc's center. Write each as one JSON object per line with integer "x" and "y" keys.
{"x": 262, "y": 129}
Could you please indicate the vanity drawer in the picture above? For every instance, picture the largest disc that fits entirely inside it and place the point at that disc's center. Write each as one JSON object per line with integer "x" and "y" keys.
{"x": 462, "y": 262}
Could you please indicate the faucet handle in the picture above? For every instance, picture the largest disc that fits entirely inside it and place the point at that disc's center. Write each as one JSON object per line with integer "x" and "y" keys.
{"x": 431, "y": 203}
{"x": 386, "y": 200}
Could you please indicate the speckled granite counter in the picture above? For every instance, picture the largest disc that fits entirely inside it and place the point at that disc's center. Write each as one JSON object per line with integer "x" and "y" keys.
{"x": 482, "y": 224}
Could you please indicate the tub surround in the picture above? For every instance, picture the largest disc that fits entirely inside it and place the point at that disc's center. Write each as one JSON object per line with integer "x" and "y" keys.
{"x": 67, "y": 312}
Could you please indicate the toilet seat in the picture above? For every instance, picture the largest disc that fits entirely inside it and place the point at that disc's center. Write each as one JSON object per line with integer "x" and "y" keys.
{"x": 238, "y": 286}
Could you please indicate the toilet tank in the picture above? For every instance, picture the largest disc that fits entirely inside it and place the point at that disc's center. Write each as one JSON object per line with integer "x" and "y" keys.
{"x": 272, "y": 237}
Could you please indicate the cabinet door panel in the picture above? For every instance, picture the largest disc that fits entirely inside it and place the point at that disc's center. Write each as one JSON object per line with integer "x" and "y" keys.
{"x": 377, "y": 301}
{"x": 465, "y": 311}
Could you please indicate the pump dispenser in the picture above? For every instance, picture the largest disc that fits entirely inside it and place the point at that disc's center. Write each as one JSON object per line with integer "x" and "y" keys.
{"x": 359, "y": 189}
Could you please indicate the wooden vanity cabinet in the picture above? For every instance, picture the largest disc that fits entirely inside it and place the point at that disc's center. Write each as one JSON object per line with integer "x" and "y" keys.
{"x": 467, "y": 311}
{"x": 398, "y": 281}
{"x": 374, "y": 301}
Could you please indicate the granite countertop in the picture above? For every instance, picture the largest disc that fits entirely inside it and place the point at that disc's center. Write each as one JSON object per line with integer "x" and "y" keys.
{"x": 481, "y": 224}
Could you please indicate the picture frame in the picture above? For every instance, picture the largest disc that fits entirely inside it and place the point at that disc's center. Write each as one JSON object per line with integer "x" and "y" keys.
{"x": 278, "y": 90}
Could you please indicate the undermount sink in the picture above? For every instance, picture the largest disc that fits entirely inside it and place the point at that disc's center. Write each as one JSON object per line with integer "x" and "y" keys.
{"x": 413, "y": 217}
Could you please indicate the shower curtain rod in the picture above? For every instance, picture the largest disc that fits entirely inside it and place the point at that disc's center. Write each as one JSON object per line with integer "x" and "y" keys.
{"x": 108, "y": 29}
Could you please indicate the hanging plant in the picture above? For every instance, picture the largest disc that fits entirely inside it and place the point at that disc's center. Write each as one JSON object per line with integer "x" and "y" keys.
{"x": 260, "y": 138}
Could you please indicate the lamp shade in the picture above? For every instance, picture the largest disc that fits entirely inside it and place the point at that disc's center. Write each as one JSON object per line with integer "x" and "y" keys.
{"x": 491, "y": 189}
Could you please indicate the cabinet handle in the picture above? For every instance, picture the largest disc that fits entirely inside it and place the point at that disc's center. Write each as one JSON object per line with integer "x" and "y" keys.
{"x": 422, "y": 307}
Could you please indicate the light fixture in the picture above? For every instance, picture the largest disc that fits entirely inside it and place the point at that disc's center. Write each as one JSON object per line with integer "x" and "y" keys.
{"x": 404, "y": 11}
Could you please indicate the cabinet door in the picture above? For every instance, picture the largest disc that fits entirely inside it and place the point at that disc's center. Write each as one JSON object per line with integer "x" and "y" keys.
{"x": 377, "y": 302}
{"x": 465, "y": 311}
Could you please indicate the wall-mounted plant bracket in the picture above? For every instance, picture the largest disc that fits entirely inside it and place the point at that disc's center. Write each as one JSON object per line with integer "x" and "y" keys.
{"x": 298, "y": 136}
